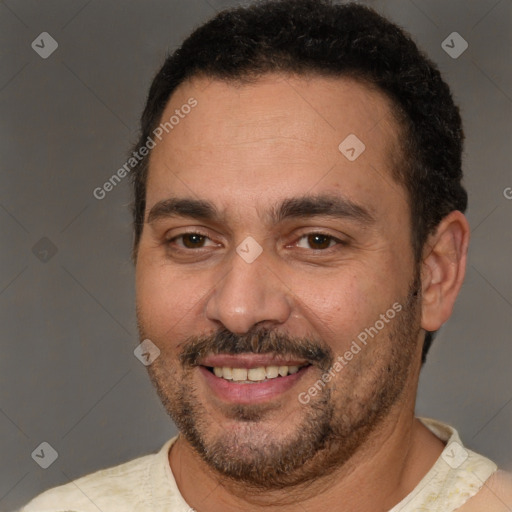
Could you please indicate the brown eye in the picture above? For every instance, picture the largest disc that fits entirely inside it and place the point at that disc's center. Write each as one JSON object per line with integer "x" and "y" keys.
{"x": 317, "y": 241}
{"x": 193, "y": 240}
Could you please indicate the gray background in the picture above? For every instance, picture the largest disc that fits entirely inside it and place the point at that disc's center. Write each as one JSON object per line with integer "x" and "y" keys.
{"x": 68, "y": 375}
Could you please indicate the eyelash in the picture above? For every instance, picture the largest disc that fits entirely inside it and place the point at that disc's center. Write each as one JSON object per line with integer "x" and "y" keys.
{"x": 305, "y": 235}
{"x": 172, "y": 240}
{"x": 327, "y": 235}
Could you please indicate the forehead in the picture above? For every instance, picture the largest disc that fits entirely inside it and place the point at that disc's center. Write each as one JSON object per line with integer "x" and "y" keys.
{"x": 277, "y": 135}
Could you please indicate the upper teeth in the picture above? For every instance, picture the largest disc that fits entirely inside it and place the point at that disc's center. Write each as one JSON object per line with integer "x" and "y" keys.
{"x": 254, "y": 374}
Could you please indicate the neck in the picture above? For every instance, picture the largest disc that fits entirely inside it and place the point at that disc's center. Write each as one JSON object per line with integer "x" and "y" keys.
{"x": 395, "y": 457}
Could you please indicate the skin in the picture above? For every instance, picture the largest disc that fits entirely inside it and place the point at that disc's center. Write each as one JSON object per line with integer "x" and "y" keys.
{"x": 246, "y": 148}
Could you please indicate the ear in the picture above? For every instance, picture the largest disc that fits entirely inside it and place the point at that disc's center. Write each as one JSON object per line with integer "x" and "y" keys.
{"x": 443, "y": 268}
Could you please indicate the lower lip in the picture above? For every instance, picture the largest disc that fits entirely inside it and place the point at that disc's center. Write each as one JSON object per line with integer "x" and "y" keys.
{"x": 258, "y": 392}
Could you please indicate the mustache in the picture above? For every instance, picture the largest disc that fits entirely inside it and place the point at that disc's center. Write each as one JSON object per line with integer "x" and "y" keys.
{"x": 261, "y": 341}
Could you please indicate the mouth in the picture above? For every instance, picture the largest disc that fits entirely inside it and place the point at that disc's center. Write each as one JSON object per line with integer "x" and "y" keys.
{"x": 253, "y": 375}
{"x": 251, "y": 378}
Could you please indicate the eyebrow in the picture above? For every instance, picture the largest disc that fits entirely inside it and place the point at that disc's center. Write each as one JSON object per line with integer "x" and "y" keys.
{"x": 321, "y": 205}
{"x": 294, "y": 208}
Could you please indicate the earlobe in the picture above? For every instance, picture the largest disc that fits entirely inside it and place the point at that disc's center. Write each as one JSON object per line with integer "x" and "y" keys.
{"x": 443, "y": 268}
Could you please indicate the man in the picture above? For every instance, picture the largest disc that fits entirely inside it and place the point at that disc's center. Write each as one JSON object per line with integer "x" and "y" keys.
{"x": 299, "y": 237}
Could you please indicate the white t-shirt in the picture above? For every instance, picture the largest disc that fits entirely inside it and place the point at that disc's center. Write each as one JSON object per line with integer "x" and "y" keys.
{"x": 147, "y": 484}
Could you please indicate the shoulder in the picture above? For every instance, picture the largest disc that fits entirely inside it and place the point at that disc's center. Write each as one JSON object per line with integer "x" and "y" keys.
{"x": 494, "y": 496}
{"x": 122, "y": 487}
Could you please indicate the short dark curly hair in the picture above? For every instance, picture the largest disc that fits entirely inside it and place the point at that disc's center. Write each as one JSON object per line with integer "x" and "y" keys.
{"x": 308, "y": 37}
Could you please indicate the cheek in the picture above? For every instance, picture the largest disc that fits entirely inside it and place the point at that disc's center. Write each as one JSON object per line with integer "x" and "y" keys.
{"x": 341, "y": 306}
{"x": 334, "y": 305}
{"x": 167, "y": 301}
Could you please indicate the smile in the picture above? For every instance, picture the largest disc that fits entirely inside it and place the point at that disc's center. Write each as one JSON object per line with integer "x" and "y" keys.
{"x": 252, "y": 375}
{"x": 251, "y": 378}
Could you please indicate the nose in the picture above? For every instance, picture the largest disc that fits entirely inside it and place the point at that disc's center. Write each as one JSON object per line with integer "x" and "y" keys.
{"x": 249, "y": 294}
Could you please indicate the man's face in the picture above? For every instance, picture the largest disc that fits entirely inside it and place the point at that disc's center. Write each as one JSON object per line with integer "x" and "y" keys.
{"x": 328, "y": 257}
